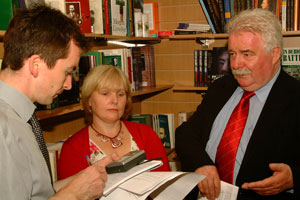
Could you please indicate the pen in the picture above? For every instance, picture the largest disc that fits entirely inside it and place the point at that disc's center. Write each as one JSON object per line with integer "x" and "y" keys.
{"x": 88, "y": 159}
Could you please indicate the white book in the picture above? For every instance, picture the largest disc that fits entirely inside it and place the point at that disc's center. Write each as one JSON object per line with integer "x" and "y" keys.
{"x": 96, "y": 16}
{"x": 171, "y": 129}
{"x": 57, "y": 4}
{"x": 118, "y": 17}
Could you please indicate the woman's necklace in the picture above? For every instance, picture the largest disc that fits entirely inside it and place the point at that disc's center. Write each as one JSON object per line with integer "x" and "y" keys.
{"x": 115, "y": 141}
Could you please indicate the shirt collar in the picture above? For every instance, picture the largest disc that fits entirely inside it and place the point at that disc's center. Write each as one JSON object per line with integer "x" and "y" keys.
{"x": 19, "y": 102}
{"x": 263, "y": 92}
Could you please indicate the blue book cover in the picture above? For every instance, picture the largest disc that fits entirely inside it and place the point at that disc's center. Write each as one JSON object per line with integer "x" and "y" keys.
{"x": 227, "y": 10}
{"x": 207, "y": 16}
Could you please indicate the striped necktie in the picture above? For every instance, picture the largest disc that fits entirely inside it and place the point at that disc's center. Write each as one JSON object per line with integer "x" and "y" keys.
{"x": 227, "y": 149}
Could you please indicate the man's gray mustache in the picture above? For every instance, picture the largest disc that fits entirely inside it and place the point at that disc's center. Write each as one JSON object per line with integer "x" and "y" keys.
{"x": 241, "y": 72}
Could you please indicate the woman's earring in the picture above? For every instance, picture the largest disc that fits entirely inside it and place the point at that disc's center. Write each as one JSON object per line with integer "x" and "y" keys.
{"x": 90, "y": 109}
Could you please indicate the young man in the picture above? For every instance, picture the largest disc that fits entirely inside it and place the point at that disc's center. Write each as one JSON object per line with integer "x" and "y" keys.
{"x": 41, "y": 49}
{"x": 265, "y": 156}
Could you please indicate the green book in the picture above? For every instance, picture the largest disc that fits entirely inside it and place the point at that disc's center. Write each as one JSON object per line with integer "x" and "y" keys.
{"x": 7, "y": 10}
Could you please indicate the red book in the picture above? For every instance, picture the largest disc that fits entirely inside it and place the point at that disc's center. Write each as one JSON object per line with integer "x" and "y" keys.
{"x": 79, "y": 11}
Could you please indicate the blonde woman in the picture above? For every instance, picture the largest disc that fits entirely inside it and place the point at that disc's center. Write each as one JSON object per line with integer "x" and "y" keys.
{"x": 106, "y": 98}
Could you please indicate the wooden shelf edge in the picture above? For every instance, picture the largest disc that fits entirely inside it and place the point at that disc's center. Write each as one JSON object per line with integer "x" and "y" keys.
{"x": 189, "y": 88}
{"x": 151, "y": 90}
{"x": 121, "y": 38}
{"x": 2, "y": 32}
{"x": 221, "y": 35}
{"x": 44, "y": 114}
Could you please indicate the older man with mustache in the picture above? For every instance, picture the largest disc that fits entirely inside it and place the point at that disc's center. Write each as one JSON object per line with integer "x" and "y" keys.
{"x": 246, "y": 130}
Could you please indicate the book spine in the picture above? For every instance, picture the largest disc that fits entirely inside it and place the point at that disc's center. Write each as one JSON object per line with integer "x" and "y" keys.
{"x": 106, "y": 15}
{"x": 200, "y": 70}
{"x": 283, "y": 16}
{"x": 296, "y": 15}
{"x": 195, "y": 67}
{"x": 222, "y": 13}
{"x": 227, "y": 10}
{"x": 207, "y": 16}
{"x": 214, "y": 14}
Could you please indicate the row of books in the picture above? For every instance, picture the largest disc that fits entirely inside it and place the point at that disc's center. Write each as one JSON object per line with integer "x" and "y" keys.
{"x": 136, "y": 62}
{"x": 219, "y": 12}
{"x": 210, "y": 65}
{"x": 191, "y": 28}
{"x": 110, "y": 17}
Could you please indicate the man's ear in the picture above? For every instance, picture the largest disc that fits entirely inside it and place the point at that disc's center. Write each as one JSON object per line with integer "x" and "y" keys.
{"x": 34, "y": 65}
{"x": 275, "y": 55}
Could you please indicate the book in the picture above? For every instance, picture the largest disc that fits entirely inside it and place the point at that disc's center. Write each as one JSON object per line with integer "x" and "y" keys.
{"x": 222, "y": 12}
{"x": 291, "y": 62}
{"x": 115, "y": 57}
{"x": 296, "y": 15}
{"x": 130, "y": 20}
{"x": 137, "y": 7}
{"x": 137, "y": 64}
{"x": 196, "y": 67}
{"x": 171, "y": 129}
{"x": 164, "y": 33}
{"x": 227, "y": 10}
{"x": 148, "y": 68}
{"x": 283, "y": 15}
{"x": 208, "y": 18}
{"x": 107, "y": 17}
{"x": 214, "y": 13}
{"x": 118, "y": 17}
{"x": 142, "y": 118}
{"x": 183, "y": 117}
{"x": 220, "y": 65}
{"x": 79, "y": 11}
{"x": 57, "y": 4}
{"x": 151, "y": 8}
{"x": 7, "y": 11}
{"x": 96, "y": 12}
{"x": 164, "y": 130}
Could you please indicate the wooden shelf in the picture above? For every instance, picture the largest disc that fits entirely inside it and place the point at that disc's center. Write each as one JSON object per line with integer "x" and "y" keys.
{"x": 44, "y": 114}
{"x": 135, "y": 40}
{"x": 151, "y": 90}
{"x": 222, "y": 35}
{"x": 189, "y": 88}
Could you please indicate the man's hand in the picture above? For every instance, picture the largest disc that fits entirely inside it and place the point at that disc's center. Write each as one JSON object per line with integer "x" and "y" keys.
{"x": 89, "y": 183}
{"x": 209, "y": 187}
{"x": 281, "y": 180}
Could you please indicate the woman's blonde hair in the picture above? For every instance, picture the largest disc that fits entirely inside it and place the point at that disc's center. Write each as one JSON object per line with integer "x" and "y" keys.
{"x": 104, "y": 76}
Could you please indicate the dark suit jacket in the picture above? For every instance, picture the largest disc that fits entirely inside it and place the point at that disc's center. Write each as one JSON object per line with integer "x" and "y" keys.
{"x": 275, "y": 139}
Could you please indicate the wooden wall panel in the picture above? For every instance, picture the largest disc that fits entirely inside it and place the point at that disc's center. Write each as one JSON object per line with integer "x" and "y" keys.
{"x": 174, "y": 60}
{"x": 291, "y": 42}
{"x": 1, "y": 50}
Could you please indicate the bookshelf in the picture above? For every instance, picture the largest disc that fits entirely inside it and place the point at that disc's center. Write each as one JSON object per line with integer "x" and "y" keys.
{"x": 63, "y": 110}
{"x": 174, "y": 57}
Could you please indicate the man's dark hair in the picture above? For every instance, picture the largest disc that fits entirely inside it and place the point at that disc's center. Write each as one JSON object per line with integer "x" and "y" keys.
{"x": 43, "y": 31}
